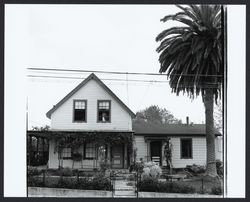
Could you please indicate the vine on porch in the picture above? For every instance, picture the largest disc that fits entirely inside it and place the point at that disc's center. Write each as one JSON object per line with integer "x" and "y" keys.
{"x": 168, "y": 153}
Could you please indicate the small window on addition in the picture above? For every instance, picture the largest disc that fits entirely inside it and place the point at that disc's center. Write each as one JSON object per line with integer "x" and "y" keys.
{"x": 104, "y": 111}
{"x": 79, "y": 110}
{"x": 186, "y": 148}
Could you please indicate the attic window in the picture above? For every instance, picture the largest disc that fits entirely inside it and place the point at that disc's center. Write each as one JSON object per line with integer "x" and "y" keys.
{"x": 80, "y": 110}
{"x": 104, "y": 111}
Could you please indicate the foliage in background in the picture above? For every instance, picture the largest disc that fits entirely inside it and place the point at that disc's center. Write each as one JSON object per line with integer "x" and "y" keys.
{"x": 155, "y": 114}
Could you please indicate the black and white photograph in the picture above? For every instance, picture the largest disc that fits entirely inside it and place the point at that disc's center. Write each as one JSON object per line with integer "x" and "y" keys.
{"x": 121, "y": 101}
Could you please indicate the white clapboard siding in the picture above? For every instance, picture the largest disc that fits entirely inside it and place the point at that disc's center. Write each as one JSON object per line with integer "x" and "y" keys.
{"x": 219, "y": 148}
{"x": 62, "y": 118}
{"x": 54, "y": 160}
{"x": 199, "y": 152}
{"x": 141, "y": 146}
{"x": 53, "y": 155}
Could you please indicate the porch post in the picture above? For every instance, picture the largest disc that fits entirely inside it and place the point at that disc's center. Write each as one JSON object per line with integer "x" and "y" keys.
{"x": 148, "y": 150}
{"x": 30, "y": 148}
{"x": 125, "y": 156}
{"x": 108, "y": 154}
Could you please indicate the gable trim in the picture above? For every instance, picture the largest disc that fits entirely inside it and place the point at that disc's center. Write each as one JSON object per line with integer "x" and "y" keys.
{"x": 91, "y": 76}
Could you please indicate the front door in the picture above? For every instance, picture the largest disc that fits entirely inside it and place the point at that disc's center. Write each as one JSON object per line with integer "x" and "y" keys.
{"x": 155, "y": 148}
{"x": 117, "y": 156}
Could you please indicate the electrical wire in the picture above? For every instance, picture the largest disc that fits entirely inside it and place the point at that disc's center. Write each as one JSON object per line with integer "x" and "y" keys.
{"x": 114, "y": 72}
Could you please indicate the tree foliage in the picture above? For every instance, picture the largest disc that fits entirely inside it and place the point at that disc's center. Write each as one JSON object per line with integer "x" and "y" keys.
{"x": 191, "y": 55}
{"x": 155, "y": 114}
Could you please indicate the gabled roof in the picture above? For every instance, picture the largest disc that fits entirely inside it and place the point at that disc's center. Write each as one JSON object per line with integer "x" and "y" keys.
{"x": 94, "y": 77}
{"x": 144, "y": 128}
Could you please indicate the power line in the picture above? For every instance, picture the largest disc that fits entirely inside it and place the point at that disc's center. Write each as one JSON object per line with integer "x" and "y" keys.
{"x": 205, "y": 85}
{"x": 116, "y": 72}
{"x": 65, "y": 77}
{"x": 126, "y": 80}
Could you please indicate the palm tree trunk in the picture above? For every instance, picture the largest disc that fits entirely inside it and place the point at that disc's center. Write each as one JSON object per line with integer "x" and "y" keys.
{"x": 210, "y": 137}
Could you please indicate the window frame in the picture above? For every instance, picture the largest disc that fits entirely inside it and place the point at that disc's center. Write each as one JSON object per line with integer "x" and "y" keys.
{"x": 98, "y": 101}
{"x": 84, "y": 151}
{"x": 66, "y": 158}
{"x": 181, "y": 142}
{"x": 73, "y": 117}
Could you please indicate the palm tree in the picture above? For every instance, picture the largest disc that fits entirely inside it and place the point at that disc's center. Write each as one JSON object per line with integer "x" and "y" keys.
{"x": 191, "y": 55}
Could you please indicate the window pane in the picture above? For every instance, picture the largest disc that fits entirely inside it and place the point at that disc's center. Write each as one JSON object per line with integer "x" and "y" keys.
{"x": 79, "y": 104}
{"x": 104, "y": 111}
{"x": 66, "y": 153}
{"x": 89, "y": 150}
{"x": 80, "y": 111}
{"x": 79, "y": 115}
{"x": 186, "y": 148}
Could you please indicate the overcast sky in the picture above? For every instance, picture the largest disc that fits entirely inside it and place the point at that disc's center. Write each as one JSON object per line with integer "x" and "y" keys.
{"x": 100, "y": 37}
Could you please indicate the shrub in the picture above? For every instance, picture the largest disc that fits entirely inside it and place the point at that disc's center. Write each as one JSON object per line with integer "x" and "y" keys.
{"x": 104, "y": 166}
{"x": 136, "y": 166}
{"x": 151, "y": 171}
{"x": 65, "y": 172}
{"x": 195, "y": 169}
{"x": 148, "y": 185}
{"x": 219, "y": 167}
{"x": 33, "y": 171}
{"x": 100, "y": 182}
{"x": 216, "y": 190}
{"x": 66, "y": 183}
{"x": 84, "y": 183}
{"x": 166, "y": 187}
{"x": 35, "y": 182}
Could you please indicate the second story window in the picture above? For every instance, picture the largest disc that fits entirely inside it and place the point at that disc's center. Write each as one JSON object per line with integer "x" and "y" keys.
{"x": 103, "y": 111}
{"x": 79, "y": 111}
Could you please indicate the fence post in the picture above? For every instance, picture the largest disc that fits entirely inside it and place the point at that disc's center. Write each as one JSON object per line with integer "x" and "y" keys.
{"x": 202, "y": 185}
{"x": 43, "y": 177}
{"x": 77, "y": 176}
{"x": 137, "y": 184}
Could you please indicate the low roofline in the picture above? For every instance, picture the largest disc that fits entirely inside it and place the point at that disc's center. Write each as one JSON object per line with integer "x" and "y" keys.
{"x": 91, "y": 76}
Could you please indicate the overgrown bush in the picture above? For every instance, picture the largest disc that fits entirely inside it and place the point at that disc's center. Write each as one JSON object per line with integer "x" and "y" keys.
{"x": 165, "y": 187}
{"x": 99, "y": 182}
{"x": 68, "y": 183}
{"x": 195, "y": 169}
{"x": 219, "y": 167}
{"x": 33, "y": 171}
{"x": 104, "y": 166}
{"x": 216, "y": 190}
{"x": 65, "y": 172}
{"x": 136, "y": 166}
{"x": 35, "y": 182}
{"x": 151, "y": 171}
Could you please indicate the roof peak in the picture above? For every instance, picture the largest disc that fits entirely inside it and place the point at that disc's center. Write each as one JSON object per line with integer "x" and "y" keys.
{"x": 71, "y": 93}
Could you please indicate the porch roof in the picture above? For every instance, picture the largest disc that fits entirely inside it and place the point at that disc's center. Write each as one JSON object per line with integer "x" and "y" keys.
{"x": 72, "y": 133}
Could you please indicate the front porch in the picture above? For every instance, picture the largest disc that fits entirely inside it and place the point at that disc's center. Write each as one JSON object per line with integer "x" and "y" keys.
{"x": 87, "y": 150}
